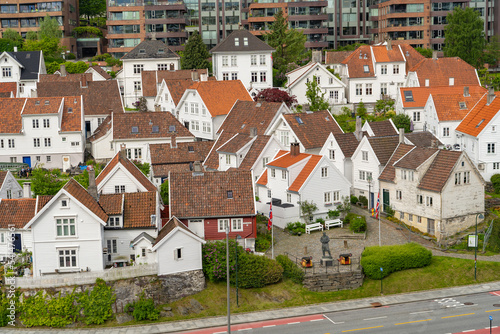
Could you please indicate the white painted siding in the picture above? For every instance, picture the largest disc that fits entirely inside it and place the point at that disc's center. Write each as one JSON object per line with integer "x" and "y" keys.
{"x": 26, "y": 241}
{"x": 118, "y": 178}
{"x": 10, "y": 183}
{"x": 123, "y": 238}
{"x": 361, "y": 187}
{"x": 191, "y": 99}
{"x": 191, "y": 254}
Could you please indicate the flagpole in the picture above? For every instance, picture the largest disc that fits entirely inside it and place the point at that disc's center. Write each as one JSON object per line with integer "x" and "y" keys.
{"x": 272, "y": 241}
{"x": 379, "y": 240}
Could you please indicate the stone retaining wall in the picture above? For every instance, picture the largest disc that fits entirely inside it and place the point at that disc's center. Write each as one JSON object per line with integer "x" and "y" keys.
{"x": 344, "y": 280}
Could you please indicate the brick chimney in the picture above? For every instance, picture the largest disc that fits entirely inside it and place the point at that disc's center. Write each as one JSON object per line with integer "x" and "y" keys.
{"x": 466, "y": 91}
{"x": 491, "y": 96}
{"x": 389, "y": 45}
{"x": 316, "y": 57}
{"x": 294, "y": 149}
{"x": 84, "y": 81}
{"x": 92, "y": 190}
{"x": 253, "y": 132}
{"x": 63, "y": 71}
{"x": 173, "y": 142}
{"x": 203, "y": 77}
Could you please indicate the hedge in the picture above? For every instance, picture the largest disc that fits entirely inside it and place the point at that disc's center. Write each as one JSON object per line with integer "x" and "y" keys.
{"x": 349, "y": 217}
{"x": 358, "y": 224}
{"x": 393, "y": 258}
{"x": 256, "y": 271}
{"x": 290, "y": 269}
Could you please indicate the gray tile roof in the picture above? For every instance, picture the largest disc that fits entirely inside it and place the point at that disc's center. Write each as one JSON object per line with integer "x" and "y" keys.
{"x": 228, "y": 44}
{"x": 150, "y": 49}
{"x": 31, "y": 62}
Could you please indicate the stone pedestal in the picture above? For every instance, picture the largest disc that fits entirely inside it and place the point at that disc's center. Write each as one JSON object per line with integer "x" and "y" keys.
{"x": 326, "y": 261}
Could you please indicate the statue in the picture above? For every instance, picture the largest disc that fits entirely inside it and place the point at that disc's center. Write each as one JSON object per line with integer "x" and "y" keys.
{"x": 324, "y": 245}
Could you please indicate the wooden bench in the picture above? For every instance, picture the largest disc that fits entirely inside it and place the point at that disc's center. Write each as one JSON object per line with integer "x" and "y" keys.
{"x": 314, "y": 227}
{"x": 333, "y": 223}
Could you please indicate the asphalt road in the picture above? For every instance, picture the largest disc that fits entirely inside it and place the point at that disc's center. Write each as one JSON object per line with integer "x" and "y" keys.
{"x": 468, "y": 313}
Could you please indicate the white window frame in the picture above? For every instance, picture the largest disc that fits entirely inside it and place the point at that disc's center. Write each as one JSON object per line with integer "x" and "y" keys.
{"x": 395, "y": 69}
{"x": 490, "y": 148}
{"x": 331, "y": 155}
{"x": 178, "y": 252}
{"x": 236, "y": 224}
{"x": 114, "y": 221}
{"x": 262, "y": 59}
{"x": 364, "y": 156}
{"x": 225, "y": 61}
{"x": 383, "y": 69}
{"x": 138, "y": 68}
{"x": 112, "y": 246}
{"x": 399, "y": 195}
{"x": 428, "y": 200}
{"x": 65, "y": 233}
{"x": 71, "y": 252}
{"x": 119, "y": 188}
{"x": 324, "y": 172}
{"x": 234, "y": 61}
{"x": 253, "y": 60}
{"x": 327, "y": 197}
{"x": 221, "y": 224}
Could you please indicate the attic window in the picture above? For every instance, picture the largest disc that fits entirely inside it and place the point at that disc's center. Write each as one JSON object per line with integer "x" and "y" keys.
{"x": 243, "y": 126}
{"x": 462, "y": 105}
{"x": 47, "y": 102}
{"x": 156, "y": 129}
{"x": 229, "y": 194}
{"x": 409, "y": 96}
{"x": 236, "y": 42}
{"x": 299, "y": 120}
{"x": 70, "y": 110}
{"x": 190, "y": 149}
{"x": 171, "y": 128}
{"x": 366, "y": 68}
{"x": 480, "y": 122}
{"x": 37, "y": 103}
{"x": 245, "y": 41}
{"x": 142, "y": 51}
{"x": 135, "y": 129}
{"x": 161, "y": 50}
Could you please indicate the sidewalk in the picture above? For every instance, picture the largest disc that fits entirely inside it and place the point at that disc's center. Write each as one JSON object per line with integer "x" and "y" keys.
{"x": 179, "y": 326}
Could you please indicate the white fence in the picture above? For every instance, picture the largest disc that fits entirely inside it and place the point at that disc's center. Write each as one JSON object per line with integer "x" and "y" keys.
{"x": 112, "y": 274}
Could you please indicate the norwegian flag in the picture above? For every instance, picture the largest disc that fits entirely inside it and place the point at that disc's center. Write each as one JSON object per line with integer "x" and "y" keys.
{"x": 378, "y": 206}
{"x": 270, "y": 221}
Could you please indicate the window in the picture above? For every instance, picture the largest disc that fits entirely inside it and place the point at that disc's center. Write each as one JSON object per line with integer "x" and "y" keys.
{"x": 289, "y": 198}
{"x": 366, "y": 68}
{"x": 466, "y": 177}
{"x": 399, "y": 194}
{"x": 416, "y": 116}
{"x": 35, "y": 124}
{"x": 318, "y": 80}
{"x": 137, "y": 86}
{"x": 9, "y": 194}
{"x": 253, "y": 60}
{"x": 383, "y": 69}
{"x": 114, "y": 221}
{"x": 446, "y": 132}
{"x": 262, "y": 59}
{"x": 428, "y": 200}
{"x": 401, "y": 215}
{"x": 64, "y": 203}
{"x": 48, "y": 158}
{"x": 7, "y": 72}
{"x": 359, "y": 89}
{"x": 419, "y": 219}
{"x": 410, "y": 217}
{"x": 195, "y": 126}
{"x": 36, "y": 142}
{"x": 383, "y": 88}
{"x": 143, "y": 252}
{"x": 254, "y": 77}
{"x": 327, "y": 197}
{"x": 458, "y": 177}
{"x": 362, "y": 175}
{"x": 47, "y": 142}
{"x": 21, "y": 87}
{"x": 119, "y": 189}
{"x": 12, "y": 143}
{"x": 225, "y": 61}
{"x": 331, "y": 154}
{"x": 263, "y": 77}
{"x": 284, "y": 138}
{"x": 364, "y": 155}
{"x": 1, "y": 143}
{"x": 233, "y": 61}
{"x": 222, "y": 223}
{"x": 273, "y": 172}
{"x": 138, "y": 68}
{"x": 369, "y": 89}
{"x": 225, "y": 76}
{"x": 496, "y": 165}
{"x": 228, "y": 159}
{"x": 403, "y": 174}
{"x": 112, "y": 247}
{"x": 207, "y": 127}
{"x": 2, "y": 237}
{"x": 234, "y": 76}
{"x": 65, "y": 227}
{"x": 194, "y": 108}
{"x": 178, "y": 254}
{"x": 46, "y": 123}
{"x": 67, "y": 258}
{"x": 491, "y": 148}
{"x": 236, "y": 224}
{"x": 336, "y": 196}
{"x": 268, "y": 193}
{"x": 134, "y": 153}
{"x": 324, "y": 171}
{"x": 265, "y": 160}
{"x": 162, "y": 67}
{"x": 395, "y": 69}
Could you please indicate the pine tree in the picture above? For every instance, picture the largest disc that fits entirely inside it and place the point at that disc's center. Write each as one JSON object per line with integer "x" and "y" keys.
{"x": 195, "y": 53}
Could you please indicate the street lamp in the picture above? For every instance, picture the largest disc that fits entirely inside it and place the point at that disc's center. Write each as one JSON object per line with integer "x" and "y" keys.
{"x": 369, "y": 179}
{"x": 227, "y": 278}
{"x": 238, "y": 237}
{"x": 480, "y": 215}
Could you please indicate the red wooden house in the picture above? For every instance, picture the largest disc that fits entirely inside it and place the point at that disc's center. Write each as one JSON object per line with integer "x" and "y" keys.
{"x": 208, "y": 201}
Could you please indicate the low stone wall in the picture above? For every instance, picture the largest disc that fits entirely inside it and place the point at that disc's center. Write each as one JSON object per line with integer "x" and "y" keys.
{"x": 344, "y": 280}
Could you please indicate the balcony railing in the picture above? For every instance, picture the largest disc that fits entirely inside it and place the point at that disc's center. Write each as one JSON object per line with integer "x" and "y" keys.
{"x": 129, "y": 3}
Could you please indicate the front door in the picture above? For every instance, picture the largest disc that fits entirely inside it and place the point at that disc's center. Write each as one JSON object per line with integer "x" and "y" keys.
{"x": 88, "y": 129}
{"x": 430, "y": 226}
{"x": 17, "y": 248}
{"x": 27, "y": 160}
{"x": 372, "y": 201}
{"x": 197, "y": 226}
{"x": 385, "y": 199}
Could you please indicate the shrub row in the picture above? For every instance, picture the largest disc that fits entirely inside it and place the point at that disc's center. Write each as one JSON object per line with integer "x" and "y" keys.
{"x": 290, "y": 269}
{"x": 393, "y": 258}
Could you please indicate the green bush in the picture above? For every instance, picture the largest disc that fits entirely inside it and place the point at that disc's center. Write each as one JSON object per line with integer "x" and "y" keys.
{"x": 494, "y": 240}
{"x": 354, "y": 199}
{"x": 358, "y": 224}
{"x": 290, "y": 269}
{"x": 214, "y": 259}
{"x": 295, "y": 228}
{"x": 256, "y": 271}
{"x": 262, "y": 243}
{"x": 143, "y": 309}
{"x": 97, "y": 304}
{"x": 495, "y": 180}
{"x": 393, "y": 258}
{"x": 363, "y": 200}
{"x": 55, "y": 311}
{"x": 389, "y": 211}
{"x": 332, "y": 214}
{"x": 349, "y": 217}
{"x": 320, "y": 220}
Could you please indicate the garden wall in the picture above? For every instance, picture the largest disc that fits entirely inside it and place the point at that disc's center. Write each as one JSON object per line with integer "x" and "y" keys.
{"x": 334, "y": 281}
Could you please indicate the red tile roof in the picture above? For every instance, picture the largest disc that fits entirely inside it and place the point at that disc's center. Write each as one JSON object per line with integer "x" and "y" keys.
{"x": 112, "y": 204}
{"x": 356, "y": 63}
{"x": 420, "y": 96}
{"x": 439, "y": 171}
{"x": 287, "y": 160}
{"x": 448, "y": 102}
{"x": 212, "y": 160}
{"x": 8, "y": 87}
{"x": 138, "y": 208}
{"x": 336, "y": 57}
{"x": 382, "y": 55}
{"x": 305, "y": 172}
{"x": 220, "y": 96}
{"x": 72, "y": 114}
{"x": 389, "y": 172}
{"x": 206, "y": 194}
{"x": 347, "y": 143}
{"x": 10, "y": 115}
{"x": 75, "y": 77}
{"x": 177, "y": 88}
{"x": 412, "y": 56}
{"x": 263, "y": 178}
{"x": 121, "y": 159}
{"x": 102, "y": 72}
{"x": 16, "y": 211}
{"x": 383, "y": 147}
{"x": 479, "y": 117}
{"x": 415, "y": 158}
{"x": 314, "y": 128}
{"x": 151, "y": 79}
{"x": 236, "y": 143}
{"x": 42, "y": 106}
{"x": 438, "y": 71}
{"x": 102, "y": 129}
{"x": 77, "y": 191}
{"x": 169, "y": 227}
{"x": 383, "y": 128}
{"x": 254, "y": 152}
{"x": 3, "y": 175}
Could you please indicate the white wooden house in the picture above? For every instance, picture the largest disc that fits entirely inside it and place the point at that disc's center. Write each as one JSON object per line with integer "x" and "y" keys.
{"x": 9, "y": 187}
{"x": 24, "y": 68}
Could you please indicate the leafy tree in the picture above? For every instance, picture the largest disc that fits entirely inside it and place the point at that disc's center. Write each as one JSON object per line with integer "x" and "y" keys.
{"x": 87, "y": 31}
{"x": 361, "y": 110}
{"x": 402, "y": 121}
{"x": 141, "y": 104}
{"x": 46, "y": 182}
{"x": 49, "y": 28}
{"x": 50, "y": 46}
{"x": 12, "y": 35}
{"x": 350, "y": 47}
{"x": 288, "y": 43}
{"x": 31, "y": 36}
{"x": 427, "y": 53}
{"x": 489, "y": 79}
{"x": 71, "y": 67}
{"x": 316, "y": 96}
{"x": 92, "y": 8}
{"x": 276, "y": 95}
{"x": 383, "y": 106}
{"x": 308, "y": 209}
{"x": 464, "y": 35}
{"x": 491, "y": 54}
{"x": 164, "y": 192}
{"x": 7, "y": 45}
{"x": 143, "y": 166}
{"x": 83, "y": 178}
{"x": 195, "y": 53}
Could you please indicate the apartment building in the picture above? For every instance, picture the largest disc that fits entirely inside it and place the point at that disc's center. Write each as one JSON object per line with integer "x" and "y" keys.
{"x": 24, "y": 16}
{"x": 132, "y": 21}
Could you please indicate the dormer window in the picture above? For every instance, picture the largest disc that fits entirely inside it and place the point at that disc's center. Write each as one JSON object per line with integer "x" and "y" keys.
{"x": 114, "y": 221}
{"x": 236, "y": 42}
{"x": 462, "y": 105}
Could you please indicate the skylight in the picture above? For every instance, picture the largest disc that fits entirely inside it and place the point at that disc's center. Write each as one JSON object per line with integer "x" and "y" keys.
{"x": 171, "y": 128}
{"x": 299, "y": 120}
{"x": 462, "y": 105}
{"x": 135, "y": 129}
{"x": 409, "y": 96}
{"x": 480, "y": 122}
{"x": 229, "y": 194}
{"x": 161, "y": 50}
{"x": 190, "y": 149}
{"x": 366, "y": 68}
{"x": 37, "y": 103}
{"x": 47, "y": 102}
{"x": 245, "y": 41}
{"x": 156, "y": 129}
{"x": 70, "y": 110}
{"x": 243, "y": 126}
{"x": 142, "y": 50}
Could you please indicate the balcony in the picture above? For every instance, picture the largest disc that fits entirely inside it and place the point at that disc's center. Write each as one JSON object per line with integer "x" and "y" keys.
{"x": 132, "y": 3}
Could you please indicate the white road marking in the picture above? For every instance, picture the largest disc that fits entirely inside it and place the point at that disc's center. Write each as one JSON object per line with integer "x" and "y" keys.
{"x": 470, "y": 330}
{"x": 376, "y": 318}
{"x": 244, "y": 329}
{"x": 422, "y": 312}
{"x": 317, "y": 320}
{"x": 293, "y": 323}
{"x": 268, "y": 326}
{"x": 333, "y": 322}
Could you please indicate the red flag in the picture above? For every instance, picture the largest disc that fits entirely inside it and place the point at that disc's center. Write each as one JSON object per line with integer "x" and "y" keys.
{"x": 377, "y": 208}
{"x": 270, "y": 221}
